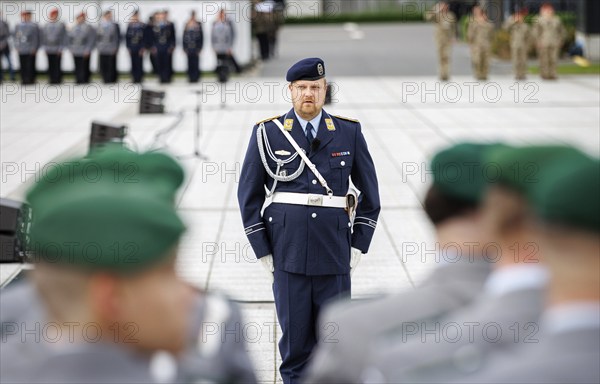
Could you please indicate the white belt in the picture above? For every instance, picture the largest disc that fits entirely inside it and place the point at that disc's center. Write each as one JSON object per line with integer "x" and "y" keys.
{"x": 310, "y": 199}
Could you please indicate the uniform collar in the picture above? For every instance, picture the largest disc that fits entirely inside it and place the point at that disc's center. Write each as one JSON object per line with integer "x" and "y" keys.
{"x": 515, "y": 278}
{"x": 315, "y": 122}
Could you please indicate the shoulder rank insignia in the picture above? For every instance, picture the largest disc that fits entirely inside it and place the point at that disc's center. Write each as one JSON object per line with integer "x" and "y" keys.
{"x": 269, "y": 119}
{"x": 329, "y": 124}
{"x": 288, "y": 124}
{"x": 346, "y": 118}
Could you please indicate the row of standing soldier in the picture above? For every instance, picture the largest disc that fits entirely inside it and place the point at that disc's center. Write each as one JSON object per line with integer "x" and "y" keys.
{"x": 156, "y": 37}
{"x": 547, "y": 31}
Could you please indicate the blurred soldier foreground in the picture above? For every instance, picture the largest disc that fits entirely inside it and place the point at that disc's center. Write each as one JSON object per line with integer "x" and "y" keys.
{"x": 508, "y": 308}
{"x": 105, "y": 285}
{"x": 566, "y": 349}
{"x": 453, "y": 204}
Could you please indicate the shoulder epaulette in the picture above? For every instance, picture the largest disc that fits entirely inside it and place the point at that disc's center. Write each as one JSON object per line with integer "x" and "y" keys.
{"x": 346, "y": 118}
{"x": 269, "y": 119}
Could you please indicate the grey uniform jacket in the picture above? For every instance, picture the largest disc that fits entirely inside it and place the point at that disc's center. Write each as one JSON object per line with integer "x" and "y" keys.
{"x": 82, "y": 39}
{"x": 459, "y": 345}
{"x": 342, "y": 356}
{"x": 558, "y": 357}
{"x": 108, "y": 38}
{"x": 54, "y": 37}
{"x": 222, "y": 36}
{"x": 27, "y": 38}
{"x": 29, "y": 356}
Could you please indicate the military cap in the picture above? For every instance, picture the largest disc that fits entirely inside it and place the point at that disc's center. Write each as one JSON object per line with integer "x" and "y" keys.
{"x": 111, "y": 211}
{"x": 521, "y": 168}
{"x": 571, "y": 198}
{"x": 460, "y": 171}
{"x": 306, "y": 69}
{"x": 54, "y": 11}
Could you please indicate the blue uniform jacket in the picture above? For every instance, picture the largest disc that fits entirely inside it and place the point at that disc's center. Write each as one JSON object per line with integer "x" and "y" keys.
{"x": 311, "y": 240}
{"x": 136, "y": 36}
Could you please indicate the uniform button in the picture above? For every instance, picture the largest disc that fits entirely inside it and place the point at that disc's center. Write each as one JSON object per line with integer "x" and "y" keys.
{"x": 349, "y": 224}
{"x": 314, "y": 215}
{"x": 314, "y": 181}
{"x": 270, "y": 219}
{"x": 343, "y": 163}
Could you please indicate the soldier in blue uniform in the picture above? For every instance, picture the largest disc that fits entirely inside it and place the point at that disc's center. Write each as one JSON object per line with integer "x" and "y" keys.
{"x": 308, "y": 229}
{"x": 108, "y": 41}
{"x": 27, "y": 42}
{"x": 193, "y": 40}
{"x": 136, "y": 39}
{"x": 54, "y": 41}
{"x": 163, "y": 44}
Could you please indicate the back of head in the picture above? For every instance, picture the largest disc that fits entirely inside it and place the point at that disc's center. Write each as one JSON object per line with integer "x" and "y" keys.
{"x": 94, "y": 212}
{"x": 459, "y": 181}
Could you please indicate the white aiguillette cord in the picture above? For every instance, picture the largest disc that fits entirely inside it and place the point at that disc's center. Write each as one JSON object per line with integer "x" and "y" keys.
{"x": 305, "y": 158}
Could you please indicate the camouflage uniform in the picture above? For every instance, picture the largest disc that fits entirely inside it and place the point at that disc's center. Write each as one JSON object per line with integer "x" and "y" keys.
{"x": 520, "y": 37}
{"x": 479, "y": 35}
{"x": 549, "y": 33}
{"x": 444, "y": 34}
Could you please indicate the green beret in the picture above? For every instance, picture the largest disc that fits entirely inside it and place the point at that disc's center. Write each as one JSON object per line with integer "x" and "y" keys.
{"x": 111, "y": 211}
{"x": 525, "y": 168}
{"x": 572, "y": 198}
{"x": 460, "y": 171}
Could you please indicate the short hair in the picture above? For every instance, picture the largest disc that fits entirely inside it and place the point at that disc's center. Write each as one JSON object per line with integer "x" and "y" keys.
{"x": 440, "y": 206}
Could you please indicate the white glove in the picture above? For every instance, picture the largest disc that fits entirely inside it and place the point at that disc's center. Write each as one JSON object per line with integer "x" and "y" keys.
{"x": 355, "y": 255}
{"x": 267, "y": 263}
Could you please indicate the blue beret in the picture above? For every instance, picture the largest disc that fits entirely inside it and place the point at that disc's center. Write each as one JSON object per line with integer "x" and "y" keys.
{"x": 306, "y": 69}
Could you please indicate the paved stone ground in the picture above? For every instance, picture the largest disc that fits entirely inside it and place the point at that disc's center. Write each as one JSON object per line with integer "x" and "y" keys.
{"x": 406, "y": 115}
{"x": 405, "y": 119}
{"x": 381, "y": 49}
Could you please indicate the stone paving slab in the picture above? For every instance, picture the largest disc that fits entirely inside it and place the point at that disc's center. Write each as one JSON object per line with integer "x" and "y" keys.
{"x": 402, "y": 130}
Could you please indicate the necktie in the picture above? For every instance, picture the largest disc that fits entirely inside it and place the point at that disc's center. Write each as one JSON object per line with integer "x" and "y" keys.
{"x": 309, "y": 133}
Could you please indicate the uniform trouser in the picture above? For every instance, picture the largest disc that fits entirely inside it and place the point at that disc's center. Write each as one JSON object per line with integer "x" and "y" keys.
{"x": 153, "y": 63}
{"x": 193, "y": 67}
{"x": 163, "y": 67}
{"x": 82, "y": 69}
{"x": 298, "y": 300}
{"x": 263, "y": 43}
{"x": 444, "y": 57}
{"x": 5, "y": 53}
{"x": 27, "y": 64}
{"x": 548, "y": 58}
{"x": 54, "y": 69}
{"x": 519, "y": 60}
{"x": 137, "y": 65}
{"x": 108, "y": 68}
{"x": 480, "y": 57}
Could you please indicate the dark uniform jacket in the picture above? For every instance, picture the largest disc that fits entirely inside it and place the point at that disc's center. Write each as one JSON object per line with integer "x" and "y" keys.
{"x": 311, "y": 240}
